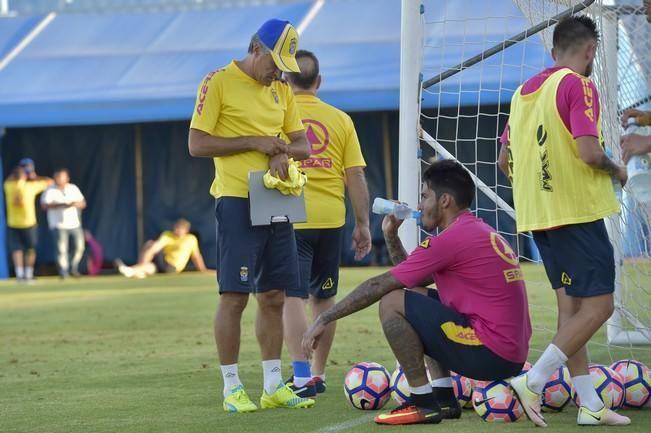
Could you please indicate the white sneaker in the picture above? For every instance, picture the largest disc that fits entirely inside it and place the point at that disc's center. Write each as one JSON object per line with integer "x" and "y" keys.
{"x": 124, "y": 269}
{"x": 601, "y": 417}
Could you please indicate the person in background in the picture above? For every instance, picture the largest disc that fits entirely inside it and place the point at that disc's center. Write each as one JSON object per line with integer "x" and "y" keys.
{"x": 170, "y": 253}
{"x": 21, "y": 189}
{"x": 336, "y": 165}
{"x": 63, "y": 202}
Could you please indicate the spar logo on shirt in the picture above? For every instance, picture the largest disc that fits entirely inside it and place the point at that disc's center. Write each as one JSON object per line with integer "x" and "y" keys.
{"x": 319, "y": 138}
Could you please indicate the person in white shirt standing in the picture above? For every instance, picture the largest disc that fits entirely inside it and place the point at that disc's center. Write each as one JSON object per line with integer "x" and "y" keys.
{"x": 63, "y": 202}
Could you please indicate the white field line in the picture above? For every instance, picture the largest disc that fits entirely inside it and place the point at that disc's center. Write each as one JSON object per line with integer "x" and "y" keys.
{"x": 345, "y": 425}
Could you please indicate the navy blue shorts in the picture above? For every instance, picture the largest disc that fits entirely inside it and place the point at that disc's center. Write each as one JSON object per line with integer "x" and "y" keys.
{"x": 319, "y": 251}
{"x": 450, "y": 340}
{"x": 23, "y": 239}
{"x": 161, "y": 264}
{"x": 253, "y": 259}
{"x": 578, "y": 257}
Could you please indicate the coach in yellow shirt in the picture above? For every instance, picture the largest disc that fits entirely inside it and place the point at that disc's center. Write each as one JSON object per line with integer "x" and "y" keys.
{"x": 335, "y": 163}
{"x": 241, "y": 112}
{"x": 21, "y": 189}
{"x": 562, "y": 191}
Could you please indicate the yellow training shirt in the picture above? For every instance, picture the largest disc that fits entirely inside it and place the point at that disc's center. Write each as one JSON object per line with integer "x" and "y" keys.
{"x": 552, "y": 186}
{"x": 334, "y": 148}
{"x": 20, "y": 198}
{"x": 177, "y": 250}
{"x": 232, "y": 104}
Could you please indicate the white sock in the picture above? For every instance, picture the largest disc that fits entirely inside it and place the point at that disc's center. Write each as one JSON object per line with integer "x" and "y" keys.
{"x": 272, "y": 375}
{"x": 300, "y": 381}
{"x": 320, "y": 376}
{"x": 586, "y": 392}
{"x": 20, "y": 272}
{"x": 551, "y": 359}
{"x": 420, "y": 390}
{"x": 29, "y": 272}
{"x": 442, "y": 382}
{"x": 231, "y": 378}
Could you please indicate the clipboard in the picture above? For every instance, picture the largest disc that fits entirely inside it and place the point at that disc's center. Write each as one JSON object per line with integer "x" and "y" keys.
{"x": 267, "y": 206}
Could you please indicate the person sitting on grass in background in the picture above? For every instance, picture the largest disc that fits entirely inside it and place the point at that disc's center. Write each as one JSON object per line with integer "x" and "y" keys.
{"x": 476, "y": 322}
{"x": 169, "y": 253}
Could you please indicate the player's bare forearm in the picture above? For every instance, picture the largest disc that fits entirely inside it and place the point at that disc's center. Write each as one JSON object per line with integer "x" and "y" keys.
{"x": 299, "y": 147}
{"x": 358, "y": 190}
{"x": 608, "y": 165}
{"x": 202, "y": 144}
{"x": 503, "y": 160}
{"x": 396, "y": 251}
{"x": 367, "y": 293}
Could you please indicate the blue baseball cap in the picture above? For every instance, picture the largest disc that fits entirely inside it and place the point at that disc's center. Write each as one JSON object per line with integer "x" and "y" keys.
{"x": 25, "y": 163}
{"x": 282, "y": 40}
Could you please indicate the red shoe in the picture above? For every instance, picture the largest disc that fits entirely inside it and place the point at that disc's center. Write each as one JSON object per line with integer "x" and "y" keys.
{"x": 410, "y": 414}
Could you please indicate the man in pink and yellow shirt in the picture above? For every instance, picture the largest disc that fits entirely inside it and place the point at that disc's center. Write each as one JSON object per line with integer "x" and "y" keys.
{"x": 476, "y": 322}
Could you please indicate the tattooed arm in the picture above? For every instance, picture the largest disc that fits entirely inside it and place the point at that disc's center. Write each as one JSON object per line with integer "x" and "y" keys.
{"x": 394, "y": 247}
{"x": 390, "y": 225}
{"x": 367, "y": 293}
{"x": 593, "y": 154}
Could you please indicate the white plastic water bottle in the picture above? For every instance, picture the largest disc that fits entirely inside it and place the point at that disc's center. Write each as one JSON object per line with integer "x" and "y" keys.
{"x": 401, "y": 211}
{"x": 639, "y": 169}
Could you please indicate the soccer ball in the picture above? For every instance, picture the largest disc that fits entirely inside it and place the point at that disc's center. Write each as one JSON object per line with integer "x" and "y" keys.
{"x": 608, "y": 384}
{"x": 399, "y": 386}
{"x": 462, "y": 387}
{"x": 557, "y": 392}
{"x": 637, "y": 382}
{"x": 495, "y": 402}
{"x": 366, "y": 386}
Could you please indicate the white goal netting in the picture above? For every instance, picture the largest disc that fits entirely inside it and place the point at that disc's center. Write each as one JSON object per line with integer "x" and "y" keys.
{"x": 470, "y": 58}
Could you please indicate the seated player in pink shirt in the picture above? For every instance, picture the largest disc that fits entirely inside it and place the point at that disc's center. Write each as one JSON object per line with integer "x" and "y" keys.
{"x": 476, "y": 322}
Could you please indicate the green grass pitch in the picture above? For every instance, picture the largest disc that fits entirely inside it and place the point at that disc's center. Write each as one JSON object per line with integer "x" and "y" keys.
{"x": 115, "y": 355}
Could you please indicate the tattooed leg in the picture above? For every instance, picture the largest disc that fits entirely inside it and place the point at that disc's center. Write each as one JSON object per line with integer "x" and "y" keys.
{"x": 403, "y": 339}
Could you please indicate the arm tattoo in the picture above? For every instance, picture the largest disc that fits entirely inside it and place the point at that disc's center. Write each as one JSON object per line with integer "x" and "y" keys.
{"x": 367, "y": 293}
{"x": 608, "y": 165}
{"x": 396, "y": 250}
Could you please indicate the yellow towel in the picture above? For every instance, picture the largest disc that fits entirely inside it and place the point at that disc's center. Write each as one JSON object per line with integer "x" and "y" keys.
{"x": 294, "y": 183}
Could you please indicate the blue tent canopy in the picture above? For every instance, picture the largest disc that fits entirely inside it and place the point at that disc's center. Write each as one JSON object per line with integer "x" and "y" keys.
{"x": 119, "y": 68}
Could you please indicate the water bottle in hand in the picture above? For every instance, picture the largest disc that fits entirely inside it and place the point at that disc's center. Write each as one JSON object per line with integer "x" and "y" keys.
{"x": 399, "y": 210}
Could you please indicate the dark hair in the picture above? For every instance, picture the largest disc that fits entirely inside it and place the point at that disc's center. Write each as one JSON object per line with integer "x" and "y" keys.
{"x": 62, "y": 170}
{"x": 309, "y": 73}
{"x": 573, "y": 31}
{"x": 448, "y": 176}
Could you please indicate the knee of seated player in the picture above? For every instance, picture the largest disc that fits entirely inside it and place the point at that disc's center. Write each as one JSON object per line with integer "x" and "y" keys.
{"x": 392, "y": 304}
{"x": 234, "y": 302}
{"x": 271, "y": 300}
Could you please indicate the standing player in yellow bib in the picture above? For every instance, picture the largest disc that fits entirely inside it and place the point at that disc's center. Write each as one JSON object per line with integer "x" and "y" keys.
{"x": 21, "y": 189}
{"x": 240, "y": 113}
{"x": 335, "y": 163}
{"x": 562, "y": 190}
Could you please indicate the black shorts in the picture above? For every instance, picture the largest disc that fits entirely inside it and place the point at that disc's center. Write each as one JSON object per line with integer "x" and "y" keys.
{"x": 253, "y": 259}
{"x": 578, "y": 257}
{"x": 439, "y": 326}
{"x": 23, "y": 239}
{"x": 161, "y": 264}
{"x": 319, "y": 251}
